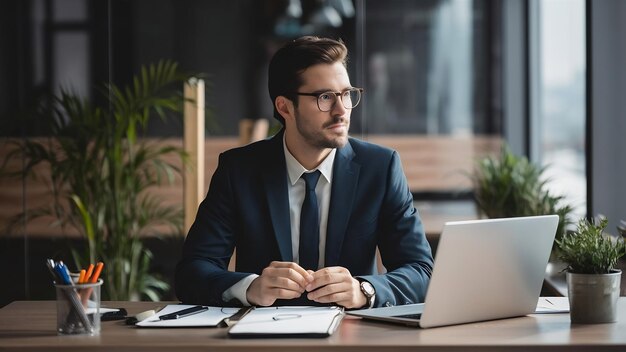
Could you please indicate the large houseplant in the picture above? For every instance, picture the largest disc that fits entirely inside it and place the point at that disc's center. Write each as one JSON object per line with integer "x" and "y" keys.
{"x": 101, "y": 170}
{"x": 593, "y": 281}
{"x": 509, "y": 186}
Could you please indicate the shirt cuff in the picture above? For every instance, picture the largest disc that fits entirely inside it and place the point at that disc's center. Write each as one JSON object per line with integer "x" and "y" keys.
{"x": 239, "y": 290}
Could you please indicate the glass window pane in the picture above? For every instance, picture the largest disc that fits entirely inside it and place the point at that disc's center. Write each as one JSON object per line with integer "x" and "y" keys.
{"x": 428, "y": 78}
{"x": 71, "y": 62}
{"x": 70, "y": 10}
{"x": 562, "y": 87}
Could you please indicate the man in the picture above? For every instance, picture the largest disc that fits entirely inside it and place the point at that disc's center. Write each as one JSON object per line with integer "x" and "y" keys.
{"x": 307, "y": 208}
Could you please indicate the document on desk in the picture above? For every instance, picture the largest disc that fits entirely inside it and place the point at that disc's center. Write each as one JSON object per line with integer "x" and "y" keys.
{"x": 547, "y": 305}
{"x": 302, "y": 321}
{"x": 213, "y": 316}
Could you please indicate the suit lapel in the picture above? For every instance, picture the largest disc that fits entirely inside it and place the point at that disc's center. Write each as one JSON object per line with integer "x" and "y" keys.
{"x": 345, "y": 180}
{"x": 275, "y": 180}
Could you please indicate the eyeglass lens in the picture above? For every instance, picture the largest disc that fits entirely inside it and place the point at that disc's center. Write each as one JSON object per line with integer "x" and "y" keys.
{"x": 349, "y": 98}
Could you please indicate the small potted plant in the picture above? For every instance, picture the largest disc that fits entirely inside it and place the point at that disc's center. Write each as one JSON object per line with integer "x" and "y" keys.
{"x": 593, "y": 281}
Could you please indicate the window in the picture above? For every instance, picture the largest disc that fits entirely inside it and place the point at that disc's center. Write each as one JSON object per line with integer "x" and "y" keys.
{"x": 429, "y": 67}
{"x": 431, "y": 71}
{"x": 560, "y": 120}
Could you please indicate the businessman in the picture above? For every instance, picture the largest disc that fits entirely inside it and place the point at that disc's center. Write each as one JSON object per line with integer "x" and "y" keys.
{"x": 307, "y": 208}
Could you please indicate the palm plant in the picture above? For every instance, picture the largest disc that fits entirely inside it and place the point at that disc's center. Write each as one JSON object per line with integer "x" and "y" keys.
{"x": 101, "y": 172}
{"x": 510, "y": 185}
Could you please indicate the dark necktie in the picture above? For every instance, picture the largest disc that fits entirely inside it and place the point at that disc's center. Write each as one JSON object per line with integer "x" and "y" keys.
{"x": 309, "y": 224}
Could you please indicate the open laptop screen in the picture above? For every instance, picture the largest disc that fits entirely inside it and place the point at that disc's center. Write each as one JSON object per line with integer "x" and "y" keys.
{"x": 484, "y": 269}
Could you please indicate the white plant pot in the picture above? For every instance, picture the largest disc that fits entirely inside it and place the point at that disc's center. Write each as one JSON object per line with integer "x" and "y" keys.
{"x": 593, "y": 297}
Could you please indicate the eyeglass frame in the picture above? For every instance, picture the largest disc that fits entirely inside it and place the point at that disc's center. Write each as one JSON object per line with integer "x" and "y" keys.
{"x": 338, "y": 95}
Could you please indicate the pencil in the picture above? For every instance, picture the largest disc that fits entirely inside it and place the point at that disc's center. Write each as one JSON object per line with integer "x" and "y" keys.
{"x": 89, "y": 272}
{"x": 96, "y": 273}
{"x": 81, "y": 278}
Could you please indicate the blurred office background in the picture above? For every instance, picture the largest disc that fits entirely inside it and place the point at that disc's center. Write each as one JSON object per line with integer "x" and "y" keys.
{"x": 446, "y": 81}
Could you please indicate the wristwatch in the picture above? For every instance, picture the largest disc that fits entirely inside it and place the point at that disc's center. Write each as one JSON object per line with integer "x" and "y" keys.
{"x": 369, "y": 292}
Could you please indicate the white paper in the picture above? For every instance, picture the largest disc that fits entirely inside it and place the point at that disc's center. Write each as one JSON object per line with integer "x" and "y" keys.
{"x": 547, "y": 305}
{"x": 210, "y": 317}
{"x": 108, "y": 310}
{"x": 102, "y": 310}
{"x": 288, "y": 320}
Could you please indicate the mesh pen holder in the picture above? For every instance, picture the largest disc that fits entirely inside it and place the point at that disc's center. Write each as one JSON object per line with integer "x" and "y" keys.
{"x": 78, "y": 308}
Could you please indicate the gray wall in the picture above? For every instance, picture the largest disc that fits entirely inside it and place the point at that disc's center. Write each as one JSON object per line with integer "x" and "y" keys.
{"x": 608, "y": 110}
{"x": 514, "y": 75}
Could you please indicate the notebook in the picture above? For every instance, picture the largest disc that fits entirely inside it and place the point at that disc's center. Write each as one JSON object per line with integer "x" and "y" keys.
{"x": 290, "y": 321}
{"x": 484, "y": 270}
{"x": 213, "y": 316}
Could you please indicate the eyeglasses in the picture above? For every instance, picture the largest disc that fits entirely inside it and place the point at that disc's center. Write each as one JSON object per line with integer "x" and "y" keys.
{"x": 350, "y": 98}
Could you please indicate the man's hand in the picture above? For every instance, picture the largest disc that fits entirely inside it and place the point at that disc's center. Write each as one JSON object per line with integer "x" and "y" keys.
{"x": 280, "y": 280}
{"x": 336, "y": 285}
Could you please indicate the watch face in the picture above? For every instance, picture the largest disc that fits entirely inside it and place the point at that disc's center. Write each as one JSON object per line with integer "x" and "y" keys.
{"x": 367, "y": 288}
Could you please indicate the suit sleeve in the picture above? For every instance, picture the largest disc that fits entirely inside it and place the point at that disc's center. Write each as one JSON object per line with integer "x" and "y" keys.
{"x": 404, "y": 250}
{"x": 202, "y": 274}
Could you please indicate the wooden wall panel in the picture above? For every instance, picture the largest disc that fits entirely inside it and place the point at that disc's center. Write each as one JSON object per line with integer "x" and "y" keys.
{"x": 430, "y": 163}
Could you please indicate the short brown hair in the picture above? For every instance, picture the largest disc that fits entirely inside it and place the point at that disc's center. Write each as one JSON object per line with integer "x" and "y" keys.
{"x": 291, "y": 60}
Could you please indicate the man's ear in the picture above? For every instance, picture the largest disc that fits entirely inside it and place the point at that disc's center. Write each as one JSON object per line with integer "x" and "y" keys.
{"x": 284, "y": 107}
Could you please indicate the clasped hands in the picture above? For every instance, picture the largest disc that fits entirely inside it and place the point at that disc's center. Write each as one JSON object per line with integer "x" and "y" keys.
{"x": 288, "y": 280}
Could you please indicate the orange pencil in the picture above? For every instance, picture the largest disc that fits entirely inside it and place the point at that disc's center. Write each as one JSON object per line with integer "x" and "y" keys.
{"x": 96, "y": 273}
{"x": 81, "y": 278}
{"x": 89, "y": 272}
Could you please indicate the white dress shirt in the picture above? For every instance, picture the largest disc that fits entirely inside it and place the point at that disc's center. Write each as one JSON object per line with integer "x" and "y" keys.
{"x": 296, "y": 191}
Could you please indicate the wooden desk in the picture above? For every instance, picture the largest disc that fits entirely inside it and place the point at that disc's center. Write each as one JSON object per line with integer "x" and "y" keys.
{"x": 30, "y": 326}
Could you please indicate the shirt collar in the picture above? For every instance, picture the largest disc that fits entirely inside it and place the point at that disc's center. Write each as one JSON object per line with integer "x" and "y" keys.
{"x": 295, "y": 169}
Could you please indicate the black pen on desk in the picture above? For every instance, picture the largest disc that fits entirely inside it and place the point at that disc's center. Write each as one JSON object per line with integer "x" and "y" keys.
{"x": 184, "y": 313}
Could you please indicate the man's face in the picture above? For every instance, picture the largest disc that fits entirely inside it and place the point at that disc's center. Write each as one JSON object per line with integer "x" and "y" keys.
{"x": 316, "y": 128}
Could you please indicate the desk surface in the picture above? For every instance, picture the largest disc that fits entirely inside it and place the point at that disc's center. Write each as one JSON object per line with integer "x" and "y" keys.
{"x": 30, "y": 325}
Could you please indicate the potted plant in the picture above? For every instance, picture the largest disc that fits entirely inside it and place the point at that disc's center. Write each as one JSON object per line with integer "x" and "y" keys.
{"x": 509, "y": 186}
{"x": 100, "y": 171}
{"x": 593, "y": 281}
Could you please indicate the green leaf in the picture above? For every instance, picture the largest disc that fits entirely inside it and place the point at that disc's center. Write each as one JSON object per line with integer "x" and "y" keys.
{"x": 101, "y": 170}
{"x": 588, "y": 250}
{"x": 507, "y": 185}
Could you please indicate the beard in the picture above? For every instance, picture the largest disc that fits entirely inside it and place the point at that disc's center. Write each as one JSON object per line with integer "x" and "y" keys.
{"x": 323, "y": 138}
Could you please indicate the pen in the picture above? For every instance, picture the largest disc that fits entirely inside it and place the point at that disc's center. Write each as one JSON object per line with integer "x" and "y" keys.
{"x": 183, "y": 313}
{"x": 64, "y": 274}
{"x": 51, "y": 266}
{"x": 61, "y": 275}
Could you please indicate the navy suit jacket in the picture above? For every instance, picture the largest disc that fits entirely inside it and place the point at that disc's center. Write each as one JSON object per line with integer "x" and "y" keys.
{"x": 247, "y": 207}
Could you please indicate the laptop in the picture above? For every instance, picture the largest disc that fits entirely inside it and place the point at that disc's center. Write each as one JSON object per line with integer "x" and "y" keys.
{"x": 484, "y": 270}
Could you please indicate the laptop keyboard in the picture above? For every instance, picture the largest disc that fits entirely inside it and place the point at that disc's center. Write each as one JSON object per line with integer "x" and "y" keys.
{"x": 409, "y": 316}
